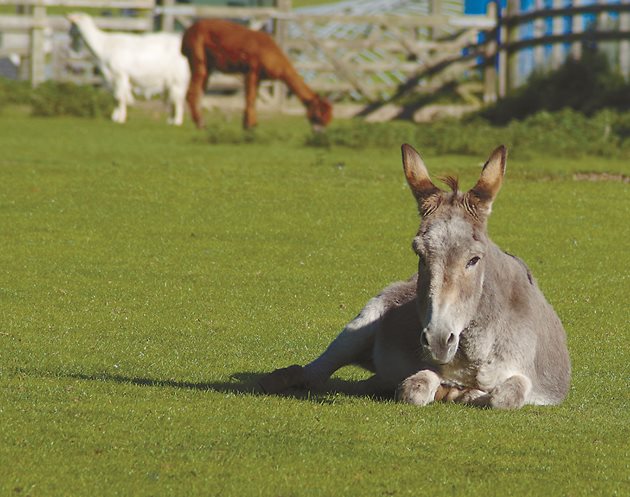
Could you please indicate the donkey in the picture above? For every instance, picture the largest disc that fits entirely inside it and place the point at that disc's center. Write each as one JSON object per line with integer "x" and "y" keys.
{"x": 471, "y": 326}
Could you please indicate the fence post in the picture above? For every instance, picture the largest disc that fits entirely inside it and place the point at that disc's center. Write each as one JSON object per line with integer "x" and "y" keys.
{"x": 602, "y": 25}
{"x": 602, "y": 20}
{"x": 557, "y": 51}
{"x": 624, "y": 45}
{"x": 503, "y": 39}
{"x": 490, "y": 69}
{"x": 539, "y": 32}
{"x": 24, "y": 69}
{"x": 37, "y": 43}
{"x": 577, "y": 26}
{"x": 436, "y": 9}
{"x": 512, "y": 36}
{"x": 167, "y": 19}
{"x": 281, "y": 34}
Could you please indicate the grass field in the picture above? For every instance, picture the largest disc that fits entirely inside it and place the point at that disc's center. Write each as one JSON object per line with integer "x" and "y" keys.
{"x": 148, "y": 277}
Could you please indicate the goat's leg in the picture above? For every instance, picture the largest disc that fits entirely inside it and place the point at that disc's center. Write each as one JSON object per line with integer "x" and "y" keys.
{"x": 122, "y": 94}
{"x": 251, "y": 91}
{"x": 176, "y": 96}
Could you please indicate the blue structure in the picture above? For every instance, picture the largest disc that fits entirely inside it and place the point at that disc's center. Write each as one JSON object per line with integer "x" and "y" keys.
{"x": 526, "y": 61}
{"x": 479, "y": 6}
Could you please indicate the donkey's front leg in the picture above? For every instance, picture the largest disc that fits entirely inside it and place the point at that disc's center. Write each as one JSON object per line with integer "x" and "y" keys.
{"x": 353, "y": 345}
{"x": 420, "y": 388}
{"x": 512, "y": 393}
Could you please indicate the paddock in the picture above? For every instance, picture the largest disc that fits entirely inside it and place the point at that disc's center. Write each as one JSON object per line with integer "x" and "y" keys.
{"x": 153, "y": 275}
{"x": 150, "y": 278}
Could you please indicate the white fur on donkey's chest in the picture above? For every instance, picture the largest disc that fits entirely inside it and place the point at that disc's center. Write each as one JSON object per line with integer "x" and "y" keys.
{"x": 483, "y": 377}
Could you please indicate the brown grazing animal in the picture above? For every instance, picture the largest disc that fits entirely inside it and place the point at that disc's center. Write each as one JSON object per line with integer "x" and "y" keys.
{"x": 231, "y": 48}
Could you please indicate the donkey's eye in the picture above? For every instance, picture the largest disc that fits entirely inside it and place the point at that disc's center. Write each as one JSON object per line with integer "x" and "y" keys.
{"x": 472, "y": 262}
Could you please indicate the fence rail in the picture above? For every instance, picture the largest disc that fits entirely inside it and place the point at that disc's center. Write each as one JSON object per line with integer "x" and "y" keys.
{"x": 97, "y": 4}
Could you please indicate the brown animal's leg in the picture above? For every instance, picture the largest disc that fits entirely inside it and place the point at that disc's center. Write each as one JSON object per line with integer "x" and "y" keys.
{"x": 199, "y": 75}
{"x": 194, "y": 50}
{"x": 251, "y": 89}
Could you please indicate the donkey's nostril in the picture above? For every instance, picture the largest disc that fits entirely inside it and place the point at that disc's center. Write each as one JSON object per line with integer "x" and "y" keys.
{"x": 451, "y": 339}
{"x": 423, "y": 339}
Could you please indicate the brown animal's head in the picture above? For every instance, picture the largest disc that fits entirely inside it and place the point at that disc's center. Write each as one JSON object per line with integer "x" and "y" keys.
{"x": 319, "y": 112}
{"x": 452, "y": 245}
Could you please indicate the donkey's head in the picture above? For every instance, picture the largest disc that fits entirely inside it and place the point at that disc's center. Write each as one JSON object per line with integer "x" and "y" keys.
{"x": 451, "y": 245}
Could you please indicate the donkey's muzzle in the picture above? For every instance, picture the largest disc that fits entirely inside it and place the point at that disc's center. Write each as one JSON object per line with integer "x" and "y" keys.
{"x": 442, "y": 346}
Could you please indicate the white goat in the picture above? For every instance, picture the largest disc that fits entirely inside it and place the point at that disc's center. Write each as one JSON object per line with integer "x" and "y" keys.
{"x": 147, "y": 63}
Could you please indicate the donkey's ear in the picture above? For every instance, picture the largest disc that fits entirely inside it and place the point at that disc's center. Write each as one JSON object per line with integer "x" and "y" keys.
{"x": 418, "y": 177}
{"x": 484, "y": 192}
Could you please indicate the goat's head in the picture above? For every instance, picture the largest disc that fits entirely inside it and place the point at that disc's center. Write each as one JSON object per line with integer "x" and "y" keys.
{"x": 78, "y": 21}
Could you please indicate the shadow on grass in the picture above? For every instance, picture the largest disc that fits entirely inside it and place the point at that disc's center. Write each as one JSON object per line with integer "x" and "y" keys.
{"x": 241, "y": 383}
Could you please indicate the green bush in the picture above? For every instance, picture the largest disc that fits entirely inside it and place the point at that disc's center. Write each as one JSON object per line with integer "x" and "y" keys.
{"x": 56, "y": 99}
{"x": 68, "y": 99}
{"x": 14, "y": 92}
{"x": 566, "y": 132}
{"x": 575, "y": 111}
{"x": 587, "y": 85}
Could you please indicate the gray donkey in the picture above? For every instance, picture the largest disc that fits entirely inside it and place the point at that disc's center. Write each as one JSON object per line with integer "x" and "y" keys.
{"x": 471, "y": 326}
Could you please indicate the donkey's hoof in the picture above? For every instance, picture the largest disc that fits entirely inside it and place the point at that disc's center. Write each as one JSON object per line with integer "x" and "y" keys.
{"x": 282, "y": 379}
{"x": 511, "y": 394}
{"x": 419, "y": 389}
{"x": 449, "y": 393}
{"x": 473, "y": 397}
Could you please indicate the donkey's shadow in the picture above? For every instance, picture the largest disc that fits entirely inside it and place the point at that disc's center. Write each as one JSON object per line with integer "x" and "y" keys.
{"x": 247, "y": 382}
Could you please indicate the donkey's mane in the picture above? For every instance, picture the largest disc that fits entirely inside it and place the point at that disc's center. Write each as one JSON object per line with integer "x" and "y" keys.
{"x": 452, "y": 182}
{"x": 432, "y": 202}
{"x": 455, "y": 197}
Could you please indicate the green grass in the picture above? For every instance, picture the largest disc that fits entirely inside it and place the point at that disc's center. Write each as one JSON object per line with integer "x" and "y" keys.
{"x": 149, "y": 276}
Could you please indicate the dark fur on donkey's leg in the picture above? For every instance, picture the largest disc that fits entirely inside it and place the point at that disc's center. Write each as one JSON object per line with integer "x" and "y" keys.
{"x": 283, "y": 379}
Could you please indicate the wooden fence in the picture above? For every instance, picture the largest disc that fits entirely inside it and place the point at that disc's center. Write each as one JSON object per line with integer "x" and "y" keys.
{"x": 544, "y": 31}
{"x": 361, "y": 59}
{"x": 360, "y": 62}
{"x": 382, "y": 55}
{"x": 37, "y": 31}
